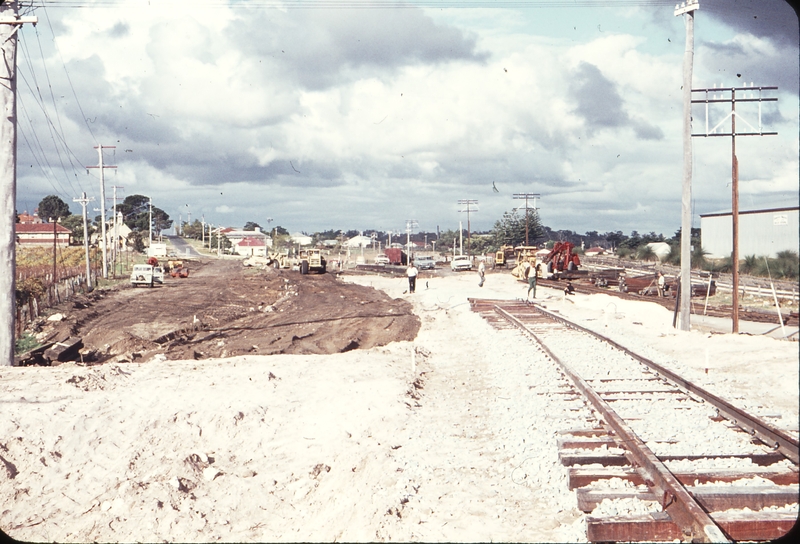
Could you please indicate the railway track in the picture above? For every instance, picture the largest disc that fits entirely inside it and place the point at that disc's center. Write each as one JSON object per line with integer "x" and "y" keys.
{"x": 662, "y": 459}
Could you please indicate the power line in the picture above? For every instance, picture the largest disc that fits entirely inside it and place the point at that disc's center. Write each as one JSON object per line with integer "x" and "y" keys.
{"x": 372, "y": 4}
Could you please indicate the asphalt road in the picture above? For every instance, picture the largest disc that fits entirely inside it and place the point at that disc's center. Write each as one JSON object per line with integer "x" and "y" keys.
{"x": 182, "y": 247}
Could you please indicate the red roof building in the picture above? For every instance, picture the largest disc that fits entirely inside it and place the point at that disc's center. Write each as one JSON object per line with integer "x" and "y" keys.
{"x": 42, "y": 234}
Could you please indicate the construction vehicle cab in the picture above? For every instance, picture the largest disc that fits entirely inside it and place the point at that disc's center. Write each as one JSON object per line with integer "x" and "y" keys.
{"x": 502, "y": 255}
{"x": 312, "y": 260}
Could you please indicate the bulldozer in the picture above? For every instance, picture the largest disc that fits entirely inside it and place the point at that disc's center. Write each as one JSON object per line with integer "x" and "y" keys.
{"x": 312, "y": 260}
{"x": 501, "y": 256}
{"x": 524, "y": 254}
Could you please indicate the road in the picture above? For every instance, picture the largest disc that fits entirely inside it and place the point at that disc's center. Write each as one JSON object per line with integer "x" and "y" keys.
{"x": 182, "y": 247}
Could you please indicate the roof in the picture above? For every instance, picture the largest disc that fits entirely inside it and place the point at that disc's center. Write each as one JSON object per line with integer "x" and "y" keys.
{"x": 40, "y": 228}
{"x": 25, "y": 218}
{"x": 251, "y": 242}
{"x": 744, "y": 212}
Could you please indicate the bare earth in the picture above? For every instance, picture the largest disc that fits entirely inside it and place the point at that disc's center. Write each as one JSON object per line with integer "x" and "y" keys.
{"x": 340, "y": 413}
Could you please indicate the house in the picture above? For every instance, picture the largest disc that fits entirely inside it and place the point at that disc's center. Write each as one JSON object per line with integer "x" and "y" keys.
{"x": 26, "y": 219}
{"x": 250, "y": 247}
{"x": 594, "y": 251}
{"x": 358, "y": 241}
{"x": 236, "y": 236}
{"x": 301, "y": 239}
{"x": 43, "y": 234}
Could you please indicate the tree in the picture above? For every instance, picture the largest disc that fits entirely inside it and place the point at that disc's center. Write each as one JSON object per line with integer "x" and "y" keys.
{"x": 136, "y": 211}
{"x": 52, "y": 207}
{"x": 193, "y": 230}
{"x": 135, "y": 239}
{"x": 510, "y": 229}
{"x": 251, "y": 226}
{"x": 75, "y": 224}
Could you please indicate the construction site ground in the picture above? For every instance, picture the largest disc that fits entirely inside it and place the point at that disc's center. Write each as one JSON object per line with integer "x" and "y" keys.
{"x": 224, "y": 309}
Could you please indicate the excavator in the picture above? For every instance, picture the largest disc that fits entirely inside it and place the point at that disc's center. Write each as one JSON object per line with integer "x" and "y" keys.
{"x": 561, "y": 258}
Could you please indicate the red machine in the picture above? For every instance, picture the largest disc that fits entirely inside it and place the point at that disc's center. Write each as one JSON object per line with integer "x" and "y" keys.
{"x": 152, "y": 261}
{"x": 561, "y": 258}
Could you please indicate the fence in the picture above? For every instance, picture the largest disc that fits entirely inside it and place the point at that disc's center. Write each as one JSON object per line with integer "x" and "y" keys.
{"x": 73, "y": 281}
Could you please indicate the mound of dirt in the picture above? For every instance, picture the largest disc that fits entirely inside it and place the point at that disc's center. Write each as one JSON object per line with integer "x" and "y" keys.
{"x": 224, "y": 309}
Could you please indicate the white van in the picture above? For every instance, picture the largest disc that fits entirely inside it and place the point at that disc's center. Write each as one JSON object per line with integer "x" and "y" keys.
{"x": 145, "y": 274}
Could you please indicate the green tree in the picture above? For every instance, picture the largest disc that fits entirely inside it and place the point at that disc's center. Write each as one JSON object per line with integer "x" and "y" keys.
{"x": 75, "y": 224}
{"x": 251, "y": 226}
{"x": 510, "y": 229}
{"x": 193, "y": 230}
{"x": 136, "y": 240}
{"x": 136, "y": 210}
{"x": 52, "y": 207}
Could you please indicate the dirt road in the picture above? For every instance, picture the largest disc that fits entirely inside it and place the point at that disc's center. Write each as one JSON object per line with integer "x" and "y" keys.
{"x": 223, "y": 309}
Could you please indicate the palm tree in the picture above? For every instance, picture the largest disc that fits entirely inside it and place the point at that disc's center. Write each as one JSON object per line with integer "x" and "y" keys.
{"x": 646, "y": 253}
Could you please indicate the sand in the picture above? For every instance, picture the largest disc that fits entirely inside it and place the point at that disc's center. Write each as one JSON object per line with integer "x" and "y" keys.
{"x": 451, "y": 437}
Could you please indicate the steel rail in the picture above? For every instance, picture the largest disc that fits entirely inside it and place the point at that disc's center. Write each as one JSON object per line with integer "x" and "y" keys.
{"x": 684, "y": 510}
{"x": 766, "y": 433}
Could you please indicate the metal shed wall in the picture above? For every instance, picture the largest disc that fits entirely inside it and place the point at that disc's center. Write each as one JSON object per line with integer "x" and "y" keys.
{"x": 761, "y": 232}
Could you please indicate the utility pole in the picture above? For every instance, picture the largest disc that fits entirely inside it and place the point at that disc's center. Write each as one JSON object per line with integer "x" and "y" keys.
{"x": 203, "y": 231}
{"x": 150, "y": 221}
{"x": 102, "y": 168}
{"x": 83, "y": 200}
{"x": 10, "y": 22}
{"x": 526, "y": 196}
{"x": 468, "y": 203}
{"x": 721, "y": 98}
{"x": 687, "y": 8}
{"x": 410, "y": 225}
{"x": 116, "y": 230}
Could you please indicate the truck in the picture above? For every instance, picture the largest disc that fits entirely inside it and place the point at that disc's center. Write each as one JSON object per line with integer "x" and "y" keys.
{"x": 396, "y": 255}
{"x": 312, "y": 260}
{"x": 146, "y": 274}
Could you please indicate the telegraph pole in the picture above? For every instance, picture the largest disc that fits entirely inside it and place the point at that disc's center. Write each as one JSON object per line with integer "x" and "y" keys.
{"x": 83, "y": 200}
{"x": 150, "y": 221}
{"x": 732, "y": 99}
{"x": 10, "y": 21}
{"x": 410, "y": 225}
{"x": 687, "y": 8}
{"x": 102, "y": 168}
{"x": 468, "y": 203}
{"x": 526, "y": 196}
{"x": 116, "y": 230}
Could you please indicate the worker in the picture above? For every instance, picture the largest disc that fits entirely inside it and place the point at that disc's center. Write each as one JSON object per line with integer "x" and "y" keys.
{"x": 569, "y": 289}
{"x": 412, "y": 273}
{"x": 529, "y": 274}
{"x": 662, "y": 282}
{"x": 481, "y": 273}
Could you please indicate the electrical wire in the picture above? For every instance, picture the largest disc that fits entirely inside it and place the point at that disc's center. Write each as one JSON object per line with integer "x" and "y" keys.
{"x": 368, "y": 4}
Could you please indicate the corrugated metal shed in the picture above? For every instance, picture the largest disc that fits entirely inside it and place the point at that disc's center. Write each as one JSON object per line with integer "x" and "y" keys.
{"x": 762, "y": 232}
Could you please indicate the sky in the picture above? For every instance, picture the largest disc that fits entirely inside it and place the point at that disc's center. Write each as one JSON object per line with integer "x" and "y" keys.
{"x": 359, "y": 114}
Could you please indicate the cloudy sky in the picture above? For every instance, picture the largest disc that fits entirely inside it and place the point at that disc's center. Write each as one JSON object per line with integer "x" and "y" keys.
{"x": 361, "y": 114}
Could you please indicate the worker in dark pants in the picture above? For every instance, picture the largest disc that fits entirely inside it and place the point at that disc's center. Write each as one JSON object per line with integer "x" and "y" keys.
{"x": 412, "y": 273}
{"x": 529, "y": 273}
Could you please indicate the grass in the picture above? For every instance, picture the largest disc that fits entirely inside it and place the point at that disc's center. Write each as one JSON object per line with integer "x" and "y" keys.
{"x": 25, "y": 343}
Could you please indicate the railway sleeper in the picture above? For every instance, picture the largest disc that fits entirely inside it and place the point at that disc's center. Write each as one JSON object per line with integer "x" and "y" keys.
{"x": 581, "y": 477}
{"x": 605, "y": 458}
{"x": 659, "y": 527}
{"x": 712, "y": 498}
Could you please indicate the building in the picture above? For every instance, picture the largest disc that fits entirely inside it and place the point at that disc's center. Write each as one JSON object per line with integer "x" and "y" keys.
{"x": 301, "y": 239}
{"x": 26, "y": 219}
{"x": 42, "y": 234}
{"x": 237, "y": 236}
{"x": 762, "y": 232}
{"x": 250, "y": 247}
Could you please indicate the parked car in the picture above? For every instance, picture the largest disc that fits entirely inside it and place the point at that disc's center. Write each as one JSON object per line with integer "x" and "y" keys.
{"x": 424, "y": 263}
{"x": 461, "y": 262}
{"x": 381, "y": 259}
{"x": 145, "y": 274}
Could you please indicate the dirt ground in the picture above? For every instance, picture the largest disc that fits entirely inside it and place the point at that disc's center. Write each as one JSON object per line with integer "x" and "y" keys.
{"x": 224, "y": 309}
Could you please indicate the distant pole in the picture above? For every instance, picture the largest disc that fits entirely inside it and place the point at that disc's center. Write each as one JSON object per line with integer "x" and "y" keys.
{"x": 150, "y": 220}
{"x": 55, "y": 234}
{"x": 410, "y": 225}
{"x": 687, "y": 9}
{"x": 203, "y": 231}
{"x": 734, "y": 218}
{"x": 460, "y": 239}
{"x": 116, "y": 231}
{"x": 468, "y": 203}
{"x": 83, "y": 200}
{"x": 526, "y": 196}
{"x": 102, "y": 168}
{"x": 9, "y": 23}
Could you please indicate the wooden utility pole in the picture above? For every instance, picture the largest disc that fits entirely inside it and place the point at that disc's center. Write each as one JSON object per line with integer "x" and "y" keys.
{"x": 718, "y": 96}
{"x": 10, "y": 21}
{"x": 687, "y": 9}
{"x": 83, "y": 200}
{"x": 526, "y": 196}
{"x": 116, "y": 230}
{"x": 468, "y": 203}
{"x": 102, "y": 168}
